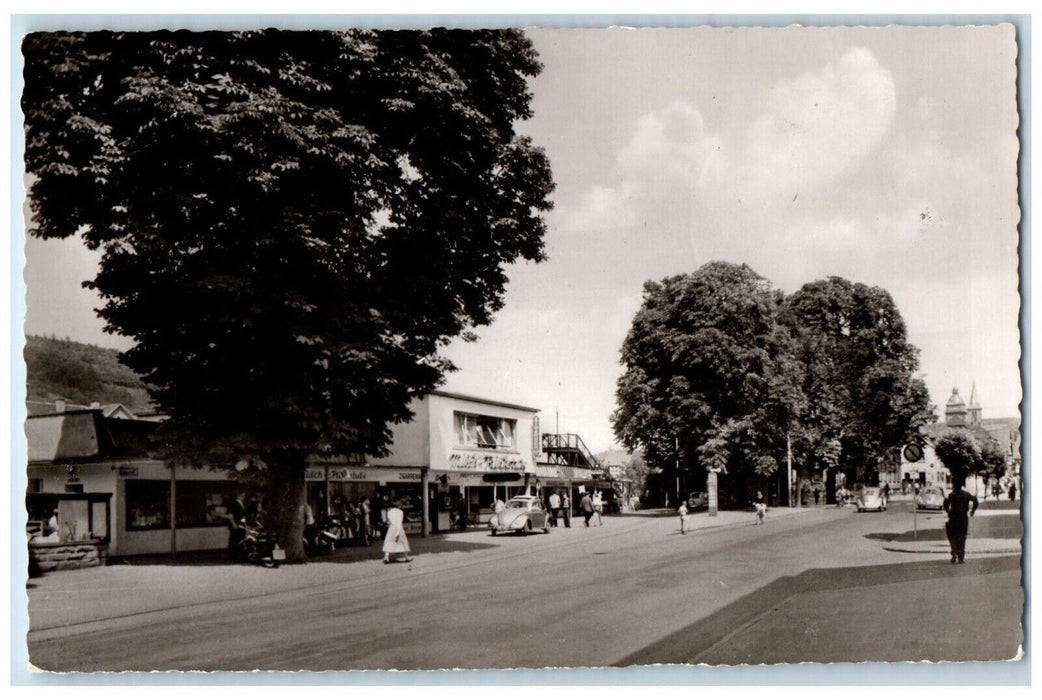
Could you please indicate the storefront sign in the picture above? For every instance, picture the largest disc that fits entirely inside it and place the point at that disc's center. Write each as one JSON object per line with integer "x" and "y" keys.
{"x": 575, "y": 473}
{"x": 128, "y": 471}
{"x": 351, "y": 474}
{"x": 471, "y": 462}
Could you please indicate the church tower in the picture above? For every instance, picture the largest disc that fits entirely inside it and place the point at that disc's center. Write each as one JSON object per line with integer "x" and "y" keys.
{"x": 973, "y": 411}
{"x": 955, "y": 410}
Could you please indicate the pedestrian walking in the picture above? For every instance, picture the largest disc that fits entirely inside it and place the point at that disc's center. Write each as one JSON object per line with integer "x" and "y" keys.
{"x": 598, "y": 507}
{"x": 960, "y": 505}
{"x": 555, "y": 508}
{"x": 761, "y": 508}
{"x": 586, "y": 505}
{"x": 566, "y": 508}
{"x": 1013, "y": 492}
{"x": 395, "y": 541}
{"x": 683, "y": 517}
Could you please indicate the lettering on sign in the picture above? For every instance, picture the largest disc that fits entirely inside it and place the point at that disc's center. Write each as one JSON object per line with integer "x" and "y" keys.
{"x": 486, "y": 463}
{"x": 314, "y": 475}
{"x": 128, "y": 471}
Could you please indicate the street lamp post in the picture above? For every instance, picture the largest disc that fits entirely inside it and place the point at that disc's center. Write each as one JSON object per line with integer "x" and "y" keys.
{"x": 676, "y": 457}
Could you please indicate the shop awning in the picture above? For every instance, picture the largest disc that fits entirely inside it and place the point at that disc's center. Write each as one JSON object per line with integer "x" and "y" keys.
{"x": 548, "y": 471}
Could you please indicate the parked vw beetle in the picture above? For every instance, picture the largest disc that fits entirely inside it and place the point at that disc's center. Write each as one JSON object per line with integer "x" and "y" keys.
{"x": 522, "y": 514}
{"x": 931, "y": 498}
{"x": 870, "y": 498}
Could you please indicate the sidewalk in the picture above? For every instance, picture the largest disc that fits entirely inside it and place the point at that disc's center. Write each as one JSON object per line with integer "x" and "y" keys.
{"x": 994, "y": 529}
{"x": 144, "y": 584}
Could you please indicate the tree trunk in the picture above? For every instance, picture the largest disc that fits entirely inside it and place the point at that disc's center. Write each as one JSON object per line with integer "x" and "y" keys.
{"x": 284, "y": 503}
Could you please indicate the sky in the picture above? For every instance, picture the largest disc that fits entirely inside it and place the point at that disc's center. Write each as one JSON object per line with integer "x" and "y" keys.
{"x": 886, "y": 156}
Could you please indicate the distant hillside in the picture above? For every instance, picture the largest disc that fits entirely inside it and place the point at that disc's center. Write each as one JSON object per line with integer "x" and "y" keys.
{"x": 79, "y": 373}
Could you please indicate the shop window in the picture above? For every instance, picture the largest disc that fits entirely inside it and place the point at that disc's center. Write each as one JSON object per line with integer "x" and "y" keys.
{"x": 68, "y": 517}
{"x": 148, "y": 505}
{"x": 203, "y": 503}
{"x": 490, "y": 432}
{"x": 199, "y": 504}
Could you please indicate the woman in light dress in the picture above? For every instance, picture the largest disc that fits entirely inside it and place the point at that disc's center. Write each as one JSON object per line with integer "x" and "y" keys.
{"x": 395, "y": 541}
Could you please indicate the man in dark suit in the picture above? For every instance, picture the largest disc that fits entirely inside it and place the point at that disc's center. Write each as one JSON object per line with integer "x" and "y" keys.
{"x": 960, "y": 505}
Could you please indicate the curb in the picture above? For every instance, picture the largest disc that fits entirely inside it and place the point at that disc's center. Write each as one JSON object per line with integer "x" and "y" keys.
{"x": 942, "y": 548}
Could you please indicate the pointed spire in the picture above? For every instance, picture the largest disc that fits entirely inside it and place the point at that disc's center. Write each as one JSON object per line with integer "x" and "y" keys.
{"x": 973, "y": 411}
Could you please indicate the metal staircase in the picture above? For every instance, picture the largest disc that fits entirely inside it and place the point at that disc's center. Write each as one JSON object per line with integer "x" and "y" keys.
{"x": 568, "y": 450}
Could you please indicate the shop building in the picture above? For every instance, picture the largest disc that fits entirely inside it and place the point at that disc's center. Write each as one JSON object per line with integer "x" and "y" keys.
{"x": 93, "y": 480}
{"x": 92, "y": 484}
{"x": 456, "y": 448}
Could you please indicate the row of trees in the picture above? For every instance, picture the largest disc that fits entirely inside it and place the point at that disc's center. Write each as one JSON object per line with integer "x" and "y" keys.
{"x": 293, "y": 224}
{"x": 963, "y": 454}
{"x": 725, "y": 373}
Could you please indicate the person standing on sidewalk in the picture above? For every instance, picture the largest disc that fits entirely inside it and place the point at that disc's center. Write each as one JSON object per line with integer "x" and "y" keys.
{"x": 566, "y": 508}
{"x": 683, "y": 517}
{"x": 960, "y": 505}
{"x": 586, "y": 505}
{"x": 235, "y": 515}
{"x": 555, "y": 508}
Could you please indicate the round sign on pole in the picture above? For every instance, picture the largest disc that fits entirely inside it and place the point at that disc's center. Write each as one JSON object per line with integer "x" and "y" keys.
{"x": 913, "y": 453}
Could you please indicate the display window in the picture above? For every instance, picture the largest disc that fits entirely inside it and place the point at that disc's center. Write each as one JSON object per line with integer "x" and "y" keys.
{"x": 68, "y": 518}
{"x": 490, "y": 432}
{"x": 199, "y": 503}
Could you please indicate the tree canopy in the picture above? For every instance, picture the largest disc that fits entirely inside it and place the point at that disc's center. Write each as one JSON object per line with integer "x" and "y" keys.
{"x": 706, "y": 371}
{"x": 863, "y": 402}
{"x": 959, "y": 453}
{"x": 292, "y": 224}
{"x": 719, "y": 363}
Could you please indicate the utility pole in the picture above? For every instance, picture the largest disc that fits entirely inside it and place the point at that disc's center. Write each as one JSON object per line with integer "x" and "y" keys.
{"x": 788, "y": 461}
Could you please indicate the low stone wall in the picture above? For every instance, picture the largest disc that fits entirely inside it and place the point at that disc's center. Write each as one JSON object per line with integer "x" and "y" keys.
{"x": 55, "y": 556}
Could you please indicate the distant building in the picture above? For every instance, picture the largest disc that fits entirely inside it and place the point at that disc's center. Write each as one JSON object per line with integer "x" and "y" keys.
{"x": 929, "y": 471}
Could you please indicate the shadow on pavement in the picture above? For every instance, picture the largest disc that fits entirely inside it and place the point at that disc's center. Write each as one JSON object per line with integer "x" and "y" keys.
{"x": 686, "y": 644}
{"x": 344, "y": 555}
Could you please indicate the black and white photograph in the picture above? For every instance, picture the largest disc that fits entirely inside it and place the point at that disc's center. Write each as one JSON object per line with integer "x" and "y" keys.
{"x": 496, "y": 345}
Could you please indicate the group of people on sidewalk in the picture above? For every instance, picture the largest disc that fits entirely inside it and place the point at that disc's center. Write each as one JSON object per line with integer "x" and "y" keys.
{"x": 559, "y": 508}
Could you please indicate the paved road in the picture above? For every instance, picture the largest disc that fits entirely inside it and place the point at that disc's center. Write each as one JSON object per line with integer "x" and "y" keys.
{"x": 633, "y": 592}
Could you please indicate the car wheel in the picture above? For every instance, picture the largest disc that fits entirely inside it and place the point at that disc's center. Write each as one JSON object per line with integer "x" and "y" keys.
{"x": 528, "y": 528}
{"x": 492, "y": 532}
{"x": 546, "y": 526}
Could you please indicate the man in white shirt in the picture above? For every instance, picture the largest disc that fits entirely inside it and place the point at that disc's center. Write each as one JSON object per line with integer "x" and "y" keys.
{"x": 555, "y": 508}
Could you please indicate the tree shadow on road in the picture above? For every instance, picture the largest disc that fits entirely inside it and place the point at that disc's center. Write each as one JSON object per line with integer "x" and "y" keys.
{"x": 343, "y": 555}
{"x": 686, "y": 644}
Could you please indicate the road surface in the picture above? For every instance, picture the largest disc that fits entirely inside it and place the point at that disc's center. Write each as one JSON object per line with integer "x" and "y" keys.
{"x": 813, "y": 586}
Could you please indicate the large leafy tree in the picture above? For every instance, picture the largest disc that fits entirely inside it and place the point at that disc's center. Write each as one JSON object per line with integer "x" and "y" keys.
{"x": 292, "y": 224}
{"x": 708, "y": 381}
{"x": 959, "y": 452}
{"x": 863, "y": 401}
